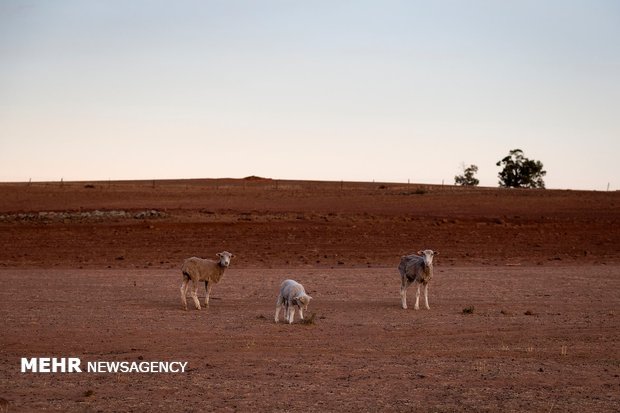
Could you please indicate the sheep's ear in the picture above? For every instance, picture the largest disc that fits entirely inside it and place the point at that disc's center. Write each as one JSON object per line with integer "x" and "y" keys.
{"x": 420, "y": 252}
{"x": 436, "y": 253}
{"x": 309, "y": 298}
{"x": 232, "y": 255}
{"x": 218, "y": 255}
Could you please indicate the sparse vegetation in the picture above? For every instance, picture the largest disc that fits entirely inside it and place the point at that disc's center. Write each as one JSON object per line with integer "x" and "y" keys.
{"x": 418, "y": 191}
{"x": 309, "y": 320}
{"x": 467, "y": 178}
{"x": 468, "y": 310}
{"x": 520, "y": 172}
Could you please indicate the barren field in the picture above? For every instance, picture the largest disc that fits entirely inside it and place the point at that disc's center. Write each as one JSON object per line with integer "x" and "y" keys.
{"x": 91, "y": 270}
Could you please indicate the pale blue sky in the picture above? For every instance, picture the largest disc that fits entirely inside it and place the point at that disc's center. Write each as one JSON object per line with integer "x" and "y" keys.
{"x": 330, "y": 90}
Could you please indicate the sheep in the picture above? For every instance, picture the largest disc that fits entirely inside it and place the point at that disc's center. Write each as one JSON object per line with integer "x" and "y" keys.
{"x": 292, "y": 294}
{"x": 199, "y": 269}
{"x": 416, "y": 269}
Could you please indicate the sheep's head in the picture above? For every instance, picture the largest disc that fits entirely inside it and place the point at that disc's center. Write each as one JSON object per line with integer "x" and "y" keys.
{"x": 428, "y": 256}
{"x": 224, "y": 258}
{"x": 302, "y": 301}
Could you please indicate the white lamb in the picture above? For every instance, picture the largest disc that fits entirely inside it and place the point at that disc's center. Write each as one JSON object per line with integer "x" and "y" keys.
{"x": 416, "y": 269}
{"x": 292, "y": 294}
{"x": 199, "y": 269}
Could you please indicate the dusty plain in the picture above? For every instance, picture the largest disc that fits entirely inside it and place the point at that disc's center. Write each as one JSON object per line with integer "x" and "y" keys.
{"x": 91, "y": 270}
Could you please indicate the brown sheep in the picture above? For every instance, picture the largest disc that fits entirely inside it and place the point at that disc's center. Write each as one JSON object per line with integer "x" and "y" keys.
{"x": 199, "y": 269}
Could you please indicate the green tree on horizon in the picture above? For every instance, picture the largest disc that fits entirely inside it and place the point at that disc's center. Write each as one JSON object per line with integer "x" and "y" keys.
{"x": 467, "y": 178}
{"x": 520, "y": 172}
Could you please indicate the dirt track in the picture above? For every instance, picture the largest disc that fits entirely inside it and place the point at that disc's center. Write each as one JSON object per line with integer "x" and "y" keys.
{"x": 104, "y": 287}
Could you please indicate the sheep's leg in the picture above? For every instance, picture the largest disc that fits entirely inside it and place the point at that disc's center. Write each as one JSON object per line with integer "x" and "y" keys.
{"x": 277, "y": 317}
{"x": 286, "y": 312}
{"x": 403, "y": 293}
{"x": 208, "y": 287}
{"x": 195, "y": 294}
{"x": 417, "y": 297}
{"x": 290, "y": 313}
{"x": 279, "y": 304}
{"x": 426, "y": 297}
{"x": 184, "y": 286}
{"x": 301, "y": 313}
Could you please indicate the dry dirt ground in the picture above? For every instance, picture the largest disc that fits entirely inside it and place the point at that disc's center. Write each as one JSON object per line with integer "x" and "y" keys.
{"x": 91, "y": 270}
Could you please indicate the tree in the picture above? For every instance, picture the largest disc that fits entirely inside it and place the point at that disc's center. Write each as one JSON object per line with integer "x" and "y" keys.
{"x": 520, "y": 172}
{"x": 467, "y": 179}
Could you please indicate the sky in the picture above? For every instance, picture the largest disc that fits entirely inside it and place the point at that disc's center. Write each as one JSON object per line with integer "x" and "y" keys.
{"x": 388, "y": 91}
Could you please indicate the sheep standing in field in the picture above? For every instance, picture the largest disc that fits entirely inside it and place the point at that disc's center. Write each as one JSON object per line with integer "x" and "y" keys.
{"x": 292, "y": 294}
{"x": 199, "y": 269}
{"x": 416, "y": 269}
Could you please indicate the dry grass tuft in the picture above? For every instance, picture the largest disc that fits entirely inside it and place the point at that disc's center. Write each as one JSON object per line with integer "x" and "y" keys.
{"x": 468, "y": 310}
{"x": 309, "y": 320}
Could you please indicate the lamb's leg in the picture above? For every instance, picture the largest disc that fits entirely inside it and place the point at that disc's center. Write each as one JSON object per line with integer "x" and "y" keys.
{"x": 286, "y": 312}
{"x": 184, "y": 286}
{"x": 208, "y": 286}
{"x": 301, "y": 313}
{"x": 426, "y": 297}
{"x": 279, "y": 304}
{"x": 417, "y": 297}
{"x": 277, "y": 317}
{"x": 195, "y": 294}
{"x": 290, "y": 313}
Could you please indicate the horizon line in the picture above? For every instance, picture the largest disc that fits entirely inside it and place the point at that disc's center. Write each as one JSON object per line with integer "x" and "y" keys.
{"x": 256, "y": 178}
